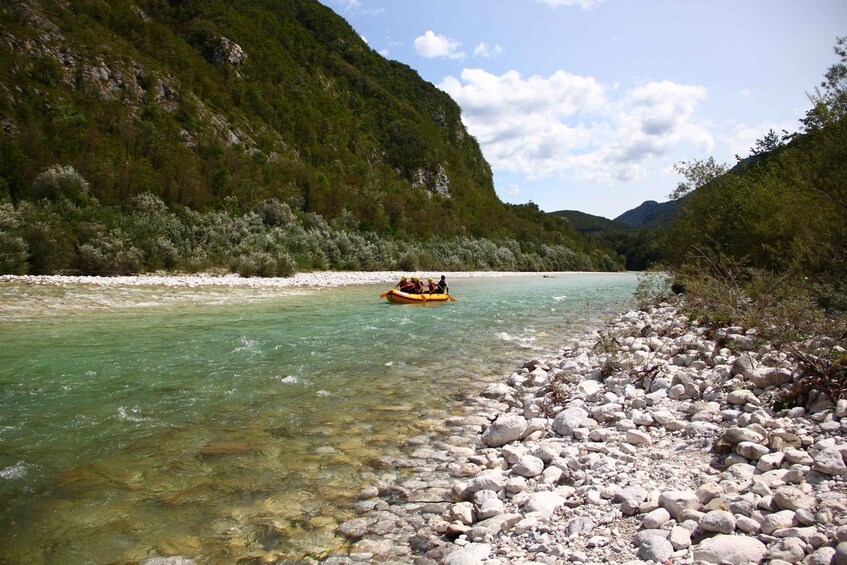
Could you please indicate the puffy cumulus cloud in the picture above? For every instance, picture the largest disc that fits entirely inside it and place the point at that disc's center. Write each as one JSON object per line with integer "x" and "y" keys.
{"x": 431, "y": 45}
{"x": 655, "y": 118}
{"x": 569, "y": 124}
{"x": 584, "y": 4}
{"x": 485, "y": 50}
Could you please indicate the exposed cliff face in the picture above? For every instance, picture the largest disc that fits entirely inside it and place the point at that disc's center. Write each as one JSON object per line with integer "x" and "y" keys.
{"x": 436, "y": 182}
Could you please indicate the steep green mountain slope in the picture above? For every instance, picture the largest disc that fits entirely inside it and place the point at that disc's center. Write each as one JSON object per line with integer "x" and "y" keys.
{"x": 214, "y": 105}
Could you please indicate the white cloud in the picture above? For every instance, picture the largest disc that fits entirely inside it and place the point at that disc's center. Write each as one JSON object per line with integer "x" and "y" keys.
{"x": 569, "y": 124}
{"x": 584, "y": 4}
{"x": 484, "y": 50}
{"x": 430, "y": 45}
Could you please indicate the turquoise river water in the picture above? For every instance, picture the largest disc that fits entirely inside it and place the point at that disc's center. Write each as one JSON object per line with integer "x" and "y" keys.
{"x": 219, "y": 423}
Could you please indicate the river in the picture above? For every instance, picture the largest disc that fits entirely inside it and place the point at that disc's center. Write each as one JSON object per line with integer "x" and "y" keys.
{"x": 218, "y": 423}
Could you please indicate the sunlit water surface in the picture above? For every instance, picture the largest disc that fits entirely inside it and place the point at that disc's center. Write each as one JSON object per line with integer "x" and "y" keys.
{"x": 220, "y": 423}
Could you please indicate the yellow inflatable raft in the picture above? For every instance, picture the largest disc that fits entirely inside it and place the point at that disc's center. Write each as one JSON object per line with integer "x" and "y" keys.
{"x": 398, "y": 297}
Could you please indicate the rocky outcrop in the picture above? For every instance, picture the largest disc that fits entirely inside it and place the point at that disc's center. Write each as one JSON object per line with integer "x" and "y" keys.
{"x": 673, "y": 456}
{"x": 436, "y": 182}
{"x": 228, "y": 53}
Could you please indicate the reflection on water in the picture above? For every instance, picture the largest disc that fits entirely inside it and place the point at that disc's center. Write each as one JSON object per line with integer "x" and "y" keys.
{"x": 224, "y": 423}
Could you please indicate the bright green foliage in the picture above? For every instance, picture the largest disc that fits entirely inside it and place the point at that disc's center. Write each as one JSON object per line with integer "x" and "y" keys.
{"x": 218, "y": 107}
{"x": 781, "y": 211}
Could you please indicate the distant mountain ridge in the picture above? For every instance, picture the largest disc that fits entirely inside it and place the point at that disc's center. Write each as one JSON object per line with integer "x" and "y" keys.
{"x": 650, "y": 214}
{"x": 634, "y": 234}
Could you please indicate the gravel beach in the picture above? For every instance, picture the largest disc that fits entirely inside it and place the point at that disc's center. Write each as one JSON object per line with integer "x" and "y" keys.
{"x": 661, "y": 447}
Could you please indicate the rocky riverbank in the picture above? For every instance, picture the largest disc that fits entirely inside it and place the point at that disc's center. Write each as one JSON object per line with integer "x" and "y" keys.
{"x": 652, "y": 441}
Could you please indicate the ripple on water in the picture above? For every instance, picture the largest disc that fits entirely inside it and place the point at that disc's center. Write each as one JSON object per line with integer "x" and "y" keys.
{"x": 17, "y": 471}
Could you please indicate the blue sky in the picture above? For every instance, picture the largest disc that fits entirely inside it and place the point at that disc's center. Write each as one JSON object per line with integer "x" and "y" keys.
{"x": 587, "y": 104}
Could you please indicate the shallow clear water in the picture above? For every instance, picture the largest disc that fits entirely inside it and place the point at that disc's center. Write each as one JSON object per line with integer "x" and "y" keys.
{"x": 222, "y": 423}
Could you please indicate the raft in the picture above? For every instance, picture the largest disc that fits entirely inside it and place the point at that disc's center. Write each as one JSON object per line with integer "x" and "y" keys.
{"x": 398, "y": 297}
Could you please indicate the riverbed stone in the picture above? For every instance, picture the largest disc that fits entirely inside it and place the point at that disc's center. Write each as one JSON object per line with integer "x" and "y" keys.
{"x": 739, "y": 481}
{"x": 655, "y": 519}
{"x": 471, "y": 554}
{"x": 791, "y": 550}
{"x": 830, "y": 462}
{"x": 778, "y": 521}
{"x": 719, "y": 521}
{"x": 656, "y": 549}
{"x": 677, "y": 501}
{"x": 792, "y": 498}
{"x": 505, "y": 429}
{"x": 529, "y": 466}
{"x": 680, "y": 538}
{"x": 637, "y": 437}
{"x": 569, "y": 420}
{"x": 730, "y": 550}
{"x": 544, "y": 502}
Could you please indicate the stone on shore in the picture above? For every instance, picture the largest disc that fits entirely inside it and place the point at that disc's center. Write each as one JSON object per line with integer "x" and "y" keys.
{"x": 505, "y": 429}
{"x": 569, "y": 420}
{"x": 472, "y": 554}
{"x": 680, "y": 457}
{"x": 730, "y": 550}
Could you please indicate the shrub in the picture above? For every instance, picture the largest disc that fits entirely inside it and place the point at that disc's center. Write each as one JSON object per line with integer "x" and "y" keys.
{"x": 275, "y": 213}
{"x": 60, "y": 182}
{"x": 653, "y": 288}
{"x": 13, "y": 255}
{"x": 108, "y": 254}
{"x": 254, "y": 263}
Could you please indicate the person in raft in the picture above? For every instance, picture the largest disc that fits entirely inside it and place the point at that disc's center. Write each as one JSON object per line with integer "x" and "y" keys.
{"x": 404, "y": 285}
{"x": 430, "y": 286}
{"x": 418, "y": 286}
{"x": 441, "y": 287}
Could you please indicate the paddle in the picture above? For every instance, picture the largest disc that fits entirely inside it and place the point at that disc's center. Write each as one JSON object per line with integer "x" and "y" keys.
{"x": 452, "y": 299}
{"x": 383, "y": 295}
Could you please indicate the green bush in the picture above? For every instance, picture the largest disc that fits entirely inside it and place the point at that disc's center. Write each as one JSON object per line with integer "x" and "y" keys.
{"x": 13, "y": 255}
{"x": 60, "y": 182}
{"x": 108, "y": 254}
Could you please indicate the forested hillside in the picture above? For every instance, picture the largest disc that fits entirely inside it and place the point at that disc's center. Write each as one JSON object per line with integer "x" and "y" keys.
{"x": 261, "y": 136}
{"x": 773, "y": 227}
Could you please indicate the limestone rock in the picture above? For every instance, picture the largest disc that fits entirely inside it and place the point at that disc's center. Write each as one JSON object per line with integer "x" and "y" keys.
{"x": 505, "y": 429}
{"x": 569, "y": 420}
{"x": 730, "y": 550}
{"x": 677, "y": 501}
{"x": 471, "y": 554}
